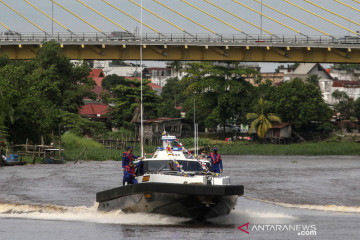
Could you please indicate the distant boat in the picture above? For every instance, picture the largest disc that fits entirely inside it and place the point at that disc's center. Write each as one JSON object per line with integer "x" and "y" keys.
{"x": 50, "y": 156}
{"x": 11, "y": 160}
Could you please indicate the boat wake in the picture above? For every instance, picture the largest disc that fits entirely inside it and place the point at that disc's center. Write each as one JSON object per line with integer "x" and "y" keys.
{"x": 326, "y": 208}
{"x": 91, "y": 214}
{"x": 255, "y": 217}
{"x": 83, "y": 214}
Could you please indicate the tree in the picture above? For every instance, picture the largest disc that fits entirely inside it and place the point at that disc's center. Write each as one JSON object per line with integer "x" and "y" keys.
{"x": 6, "y": 114}
{"x": 112, "y": 81}
{"x": 357, "y": 108}
{"x": 40, "y": 90}
{"x": 313, "y": 79}
{"x": 126, "y": 99}
{"x": 301, "y": 104}
{"x": 289, "y": 66}
{"x": 261, "y": 122}
{"x": 342, "y": 66}
{"x": 176, "y": 66}
{"x": 220, "y": 91}
{"x": 344, "y": 104}
{"x": 171, "y": 97}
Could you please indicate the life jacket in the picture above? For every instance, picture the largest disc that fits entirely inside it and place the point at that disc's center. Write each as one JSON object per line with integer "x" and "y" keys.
{"x": 217, "y": 160}
{"x": 130, "y": 156}
{"x": 130, "y": 170}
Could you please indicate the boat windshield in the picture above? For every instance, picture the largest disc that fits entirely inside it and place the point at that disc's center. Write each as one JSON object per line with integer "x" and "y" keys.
{"x": 169, "y": 165}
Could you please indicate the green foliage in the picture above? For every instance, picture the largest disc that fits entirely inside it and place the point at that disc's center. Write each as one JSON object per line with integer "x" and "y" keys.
{"x": 301, "y": 104}
{"x": 4, "y": 60}
{"x": 71, "y": 141}
{"x": 261, "y": 122}
{"x": 357, "y": 108}
{"x": 189, "y": 142}
{"x": 346, "y": 66}
{"x": 122, "y": 132}
{"x": 313, "y": 79}
{"x": 211, "y": 121}
{"x": 344, "y": 105}
{"x": 289, "y": 66}
{"x": 220, "y": 91}
{"x": 79, "y": 125}
{"x": 112, "y": 81}
{"x": 126, "y": 97}
{"x": 40, "y": 90}
{"x": 172, "y": 96}
{"x": 305, "y": 149}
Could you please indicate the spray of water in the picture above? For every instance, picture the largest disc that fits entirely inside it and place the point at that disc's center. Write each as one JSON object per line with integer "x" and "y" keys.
{"x": 327, "y": 208}
{"x": 255, "y": 217}
{"x": 82, "y": 214}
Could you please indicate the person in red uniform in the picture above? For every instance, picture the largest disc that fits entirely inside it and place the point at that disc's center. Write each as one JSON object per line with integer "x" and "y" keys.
{"x": 129, "y": 167}
{"x": 216, "y": 161}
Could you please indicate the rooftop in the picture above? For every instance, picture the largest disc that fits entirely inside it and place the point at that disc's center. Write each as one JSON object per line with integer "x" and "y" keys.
{"x": 96, "y": 73}
{"x": 160, "y": 120}
{"x": 97, "y": 110}
{"x": 280, "y": 125}
{"x": 346, "y": 84}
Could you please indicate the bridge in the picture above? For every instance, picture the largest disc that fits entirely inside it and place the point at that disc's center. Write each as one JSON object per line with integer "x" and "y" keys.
{"x": 234, "y": 45}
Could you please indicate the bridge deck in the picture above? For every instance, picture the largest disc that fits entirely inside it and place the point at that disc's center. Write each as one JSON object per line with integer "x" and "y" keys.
{"x": 196, "y": 47}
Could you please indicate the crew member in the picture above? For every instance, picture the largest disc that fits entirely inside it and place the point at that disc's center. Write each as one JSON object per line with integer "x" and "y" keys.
{"x": 127, "y": 165}
{"x": 216, "y": 161}
{"x": 128, "y": 157}
{"x": 129, "y": 173}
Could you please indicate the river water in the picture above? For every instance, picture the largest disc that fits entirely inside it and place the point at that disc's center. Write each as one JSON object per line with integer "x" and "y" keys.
{"x": 285, "y": 198}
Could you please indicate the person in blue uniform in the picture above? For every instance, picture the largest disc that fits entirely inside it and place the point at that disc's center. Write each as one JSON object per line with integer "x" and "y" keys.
{"x": 216, "y": 161}
{"x": 129, "y": 173}
{"x": 128, "y": 157}
{"x": 129, "y": 167}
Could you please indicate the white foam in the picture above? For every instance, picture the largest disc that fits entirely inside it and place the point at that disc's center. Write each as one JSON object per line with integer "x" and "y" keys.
{"x": 327, "y": 208}
{"x": 82, "y": 214}
{"x": 255, "y": 217}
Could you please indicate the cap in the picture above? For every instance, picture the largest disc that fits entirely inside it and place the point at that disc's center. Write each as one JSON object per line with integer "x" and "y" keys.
{"x": 215, "y": 149}
{"x": 129, "y": 147}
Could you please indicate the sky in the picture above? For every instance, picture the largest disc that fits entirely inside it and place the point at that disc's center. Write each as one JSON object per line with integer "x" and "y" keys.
{"x": 17, "y": 23}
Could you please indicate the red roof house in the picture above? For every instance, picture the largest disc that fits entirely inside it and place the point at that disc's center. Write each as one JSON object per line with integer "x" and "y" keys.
{"x": 96, "y": 73}
{"x": 98, "y": 76}
{"x": 346, "y": 84}
{"x": 94, "y": 110}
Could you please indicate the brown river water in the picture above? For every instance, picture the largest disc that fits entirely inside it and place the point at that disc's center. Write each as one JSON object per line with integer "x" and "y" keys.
{"x": 286, "y": 197}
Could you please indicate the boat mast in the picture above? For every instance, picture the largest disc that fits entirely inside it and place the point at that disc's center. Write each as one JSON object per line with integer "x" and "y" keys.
{"x": 195, "y": 131}
{"x": 141, "y": 82}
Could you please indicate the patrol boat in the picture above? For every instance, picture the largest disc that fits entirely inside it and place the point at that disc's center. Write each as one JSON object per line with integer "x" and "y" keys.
{"x": 173, "y": 182}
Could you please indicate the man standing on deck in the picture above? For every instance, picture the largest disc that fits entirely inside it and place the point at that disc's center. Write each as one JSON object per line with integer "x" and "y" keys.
{"x": 128, "y": 166}
{"x": 216, "y": 161}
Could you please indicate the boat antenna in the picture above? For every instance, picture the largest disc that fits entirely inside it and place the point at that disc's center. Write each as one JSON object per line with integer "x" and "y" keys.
{"x": 195, "y": 128}
{"x": 141, "y": 83}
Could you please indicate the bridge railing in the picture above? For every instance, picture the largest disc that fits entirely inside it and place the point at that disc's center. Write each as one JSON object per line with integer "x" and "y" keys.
{"x": 175, "y": 38}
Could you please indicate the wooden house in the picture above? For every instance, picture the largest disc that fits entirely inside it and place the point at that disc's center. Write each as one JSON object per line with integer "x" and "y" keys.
{"x": 153, "y": 129}
{"x": 279, "y": 133}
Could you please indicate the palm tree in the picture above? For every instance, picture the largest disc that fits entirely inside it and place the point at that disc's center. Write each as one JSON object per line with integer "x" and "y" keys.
{"x": 314, "y": 79}
{"x": 176, "y": 66}
{"x": 261, "y": 123}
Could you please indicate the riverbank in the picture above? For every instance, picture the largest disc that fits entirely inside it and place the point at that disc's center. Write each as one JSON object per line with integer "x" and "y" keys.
{"x": 304, "y": 149}
{"x": 99, "y": 153}
{"x": 236, "y": 148}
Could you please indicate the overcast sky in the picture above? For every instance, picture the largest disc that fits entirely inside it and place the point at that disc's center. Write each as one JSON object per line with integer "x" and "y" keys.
{"x": 16, "y": 23}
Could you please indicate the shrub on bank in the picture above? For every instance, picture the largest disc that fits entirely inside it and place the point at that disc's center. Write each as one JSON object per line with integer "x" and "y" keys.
{"x": 72, "y": 141}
